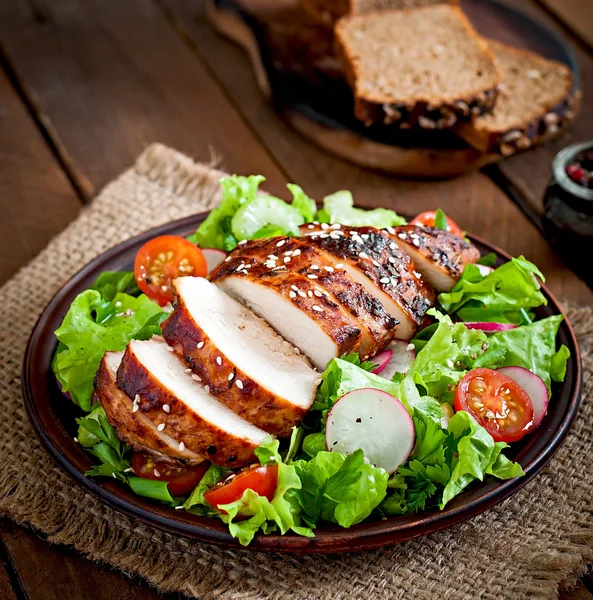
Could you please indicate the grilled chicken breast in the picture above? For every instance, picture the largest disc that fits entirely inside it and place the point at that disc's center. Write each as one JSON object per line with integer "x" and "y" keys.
{"x": 132, "y": 426}
{"x": 246, "y": 364}
{"x": 169, "y": 395}
{"x": 373, "y": 260}
{"x": 290, "y": 301}
{"x": 439, "y": 255}
{"x": 376, "y": 325}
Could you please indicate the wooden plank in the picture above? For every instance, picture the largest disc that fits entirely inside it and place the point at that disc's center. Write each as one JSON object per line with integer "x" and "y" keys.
{"x": 474, "y": 201}
{"x": 530, "y": 171}
{"x": 580, "y": 592}
{"x": 110, "y": 78}
{"x": 48, "y": 572}
{"x": 577, "y": 15}
{"x": 7, "y": 591}
{"x": 37, "y": 198}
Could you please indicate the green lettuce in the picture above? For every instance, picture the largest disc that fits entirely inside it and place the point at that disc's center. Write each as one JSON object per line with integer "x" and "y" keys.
{"x": 94, "y": 325}
{"x": 339, "y": 489}
{"x": 501, "y": 296}
{"x": 253, "y": 513}
{"x": 533, "y": 347}
{"x": 339, "y": 208}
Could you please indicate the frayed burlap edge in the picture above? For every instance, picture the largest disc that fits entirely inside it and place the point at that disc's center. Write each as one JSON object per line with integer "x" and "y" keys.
{"x": 528, "y": 546}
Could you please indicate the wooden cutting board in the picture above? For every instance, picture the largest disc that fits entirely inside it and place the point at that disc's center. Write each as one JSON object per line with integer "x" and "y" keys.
{"x": 292, "y": 59}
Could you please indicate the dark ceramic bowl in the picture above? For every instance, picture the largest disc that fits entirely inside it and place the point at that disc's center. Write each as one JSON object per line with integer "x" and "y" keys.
{"x": 52, "y": 417}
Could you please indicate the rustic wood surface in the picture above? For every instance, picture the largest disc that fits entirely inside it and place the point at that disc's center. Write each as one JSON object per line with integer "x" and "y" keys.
{"x": 87, "y": 85}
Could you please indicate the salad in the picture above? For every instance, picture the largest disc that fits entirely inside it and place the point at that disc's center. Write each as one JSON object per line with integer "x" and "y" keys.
{"x": 402, "y": 431}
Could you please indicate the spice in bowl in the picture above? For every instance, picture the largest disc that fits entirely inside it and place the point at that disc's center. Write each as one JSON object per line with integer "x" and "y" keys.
{"x": 580, "y": 169}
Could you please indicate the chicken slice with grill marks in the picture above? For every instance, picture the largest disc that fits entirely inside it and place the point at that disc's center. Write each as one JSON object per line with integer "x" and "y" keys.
{"x": 439, "y": 255}
{"x": 289, "y": 300}
{"x": 246, "y": 364}
{"x": 132, "y": 426}
{"x": 372, "y": 259}
{"x": 377, "y": 326}
{"x": 182, "y": 407}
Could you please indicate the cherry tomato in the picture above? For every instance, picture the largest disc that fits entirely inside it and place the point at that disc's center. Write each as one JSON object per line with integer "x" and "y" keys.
{"x": 181, "y": 480}
{"x": 163, "y": 259}
{"x": 262, "y": 480}
{"x": 497, "y": 402}
{"x": 427, "y": 219}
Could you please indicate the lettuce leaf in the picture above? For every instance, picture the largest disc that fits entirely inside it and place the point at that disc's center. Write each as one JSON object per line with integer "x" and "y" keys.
{"x": 339, "y": 208}
{"x": 92, "y": 326}
{"x": 282, "y": 513}
{"x": 500, "y": 296}
{"x": 533, "y": 347}
{"x": 305, "y": 205}
{"x": 340, "y": 489}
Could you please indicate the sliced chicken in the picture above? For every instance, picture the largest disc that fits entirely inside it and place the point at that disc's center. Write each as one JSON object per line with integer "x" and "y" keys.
{"x": 439, "y": 255}
{"x": 166, "y": 392}
{"x": 246, "y": 364}
{"x": 387, "y": 273}
{"x": 132, "y": 426}
{"x": 290, "y": 301}
{"x": 376, "y": 325}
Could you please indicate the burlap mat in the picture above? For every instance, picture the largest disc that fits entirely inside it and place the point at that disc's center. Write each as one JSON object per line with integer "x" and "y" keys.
{"x": 528, "y": 546}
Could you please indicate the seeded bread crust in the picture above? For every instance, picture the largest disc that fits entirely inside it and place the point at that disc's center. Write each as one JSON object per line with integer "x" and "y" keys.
{"x": 425, "y": 112}
{"x": 555, "y": 114}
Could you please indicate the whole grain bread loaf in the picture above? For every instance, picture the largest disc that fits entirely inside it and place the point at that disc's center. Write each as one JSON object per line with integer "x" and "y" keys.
{"x": 423, "y": 66}
{"x": 535, "y": 99}
{"x": 328, "y": 11}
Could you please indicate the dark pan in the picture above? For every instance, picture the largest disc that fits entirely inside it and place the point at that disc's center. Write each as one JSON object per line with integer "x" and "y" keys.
{"x": 52, "y": 417}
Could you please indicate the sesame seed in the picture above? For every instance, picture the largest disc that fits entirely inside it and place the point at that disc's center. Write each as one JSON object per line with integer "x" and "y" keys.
{"x": 200, "y": 345}
{"x": 278, "y": 268}
{"x": 339, "y": 265}
{"x": 291, "y": 294}
{"x": 207, "y": 389}
{"x": 280, "y": 243}
{"x": 181, "y": 446}
{"x": 242, "y": 242}
{"x": 288, "y": 253}
{"x": 364, "y": 236}
{"x": 272, "y": 257}
{"x": 336, "y": 226}
{"x": 294, "y": 287}
{"x": 170, "y": 349}
{"x": 324, "y": 226}
{"x": 241, "y": 266}
{"x": 218, "y": 360}
{"x": 136, "y": 398}
{"x": 329, "y": 269}
{"x": 161, "y": 426}
{"x": 310, "y": 294}
{"x": 334, "y": 236}
{"x": 166, "y": 408}
{"x": 363, "y": 255}
{"x": 324, "y": 235}
{"x": 228, "y": 258}
{"x": 410, "y": 347}
{"x": 392, "y": 246}
{"x": 312, "y": 276}
{"x": 287, "y": 259}
{"x": 76, "y": 440}
{"x": 315, "y": 222}
{"x": 135, "y": 408}
{"x": 390, "y": 230}
{"x": 196, "y": 377}
{"x": 230, "y": 377}
{"x": 392, "y": 260}
{"x": 248, "y": 266}
{"x": 317, "y": 308}
{"x": 156, "y": 473}
{"x": 302, "y": 294}
{"x": 239, "y": 384}
{"x": 318, "y": 293}
{"x": 376, "y": 263}
{"x": 384, "y": 280}
{"x": 310, "y": 226}
{"x": 315, "y": 267}
{"x": 180, "y": 507}
{"x": 296, "y": 252}
{"x": 188, "y": 370}
{"x": 314, "y": 237}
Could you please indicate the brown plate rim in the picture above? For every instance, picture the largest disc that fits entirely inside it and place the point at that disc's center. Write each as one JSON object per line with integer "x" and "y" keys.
{"x": 37, "y": 388}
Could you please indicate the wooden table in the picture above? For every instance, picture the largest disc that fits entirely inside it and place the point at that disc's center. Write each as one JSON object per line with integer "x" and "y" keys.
{"x": 85, "y": 86}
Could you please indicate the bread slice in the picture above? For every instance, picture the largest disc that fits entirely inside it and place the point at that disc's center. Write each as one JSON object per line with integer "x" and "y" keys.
{"x": 328, "y": 11}
{"x": 422, "y": 66}
{"x": 535, "y": 99}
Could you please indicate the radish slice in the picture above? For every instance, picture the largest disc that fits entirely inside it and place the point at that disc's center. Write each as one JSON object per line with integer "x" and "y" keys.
{"x": 488, "y": 327}
{"x": 484, "y": 270}
{"x": 381, "y": 360}
{"x": 213, "y": 257}
{"x": 535, "y": 388}
{"x": 376, "y": 423}
{"x": 401, "y": 359}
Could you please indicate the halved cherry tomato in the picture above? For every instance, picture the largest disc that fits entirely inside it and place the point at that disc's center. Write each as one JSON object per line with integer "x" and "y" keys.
{"x": 497, "y": 402}
{"x": 262, "y": 480}
{"x": 428, "y": 218}
{"x": 181, "y": 480}
{"x": 163, "y": 259}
